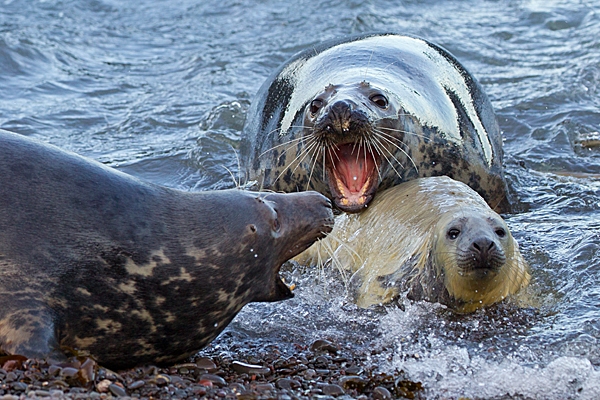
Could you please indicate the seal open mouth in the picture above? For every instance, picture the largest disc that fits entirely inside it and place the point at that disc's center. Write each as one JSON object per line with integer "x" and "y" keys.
{"x": 352, "y": 172}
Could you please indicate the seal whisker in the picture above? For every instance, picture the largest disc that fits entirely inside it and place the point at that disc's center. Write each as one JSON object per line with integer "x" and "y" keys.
{"x": 163, "y": 238}
{"x": 421, "y": 136}
{"x": 382, "y": 150}
{"x": 300, "y": 157}
{"x": 314, "y": 163}
{"x": 397, "y": 147}
{"x": 291, "y": 141}
{"x": 374, "y": 154}
{"x": 296, "y": 140}
{"x": 389, "y": 105}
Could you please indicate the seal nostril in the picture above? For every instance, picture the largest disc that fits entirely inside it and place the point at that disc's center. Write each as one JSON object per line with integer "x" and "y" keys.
{"x": 491, "y": 246}
{"x": 315, "y": 106}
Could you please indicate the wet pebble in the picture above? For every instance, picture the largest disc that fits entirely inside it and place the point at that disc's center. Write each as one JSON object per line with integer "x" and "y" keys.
{"x": 332, "y": 390}
{"x": 206, "y": 363}
{"x": 214, "y": 379}
{"x": 288, "y": 384}
{"x": 250, "y": 369}
{"x": 323, "y": 345}
{"x": 117, "y": 390}
{"x": 310, "y": 373}
{"x": 11, "y": 377}
{"x": 265, "y": 387}
{"x": 381, "y": 393}
{"x": 69, "y": 372}
{"x": 103, "y": 385}
{"x": 54, "y": 370}
{"x": 237, "y": 388}
{"x": 353, "y": 370}
{"x": 162, "y": 380}
{"x": 19, "y": 386}
{"x": 9, "y": 397}
{"x": 353, "y": 382}
{"x": 136, "y": 385}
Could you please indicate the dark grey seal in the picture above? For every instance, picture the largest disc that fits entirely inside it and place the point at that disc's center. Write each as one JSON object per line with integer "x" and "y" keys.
{"x": 95, "y": 260}
{"x": 350, "y": 117}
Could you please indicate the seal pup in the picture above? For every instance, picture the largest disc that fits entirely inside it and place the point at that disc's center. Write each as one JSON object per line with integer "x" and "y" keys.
{"x": 95, "y": 260}
{"x": 353, "y": 116}
{"x": 434, "y": 238}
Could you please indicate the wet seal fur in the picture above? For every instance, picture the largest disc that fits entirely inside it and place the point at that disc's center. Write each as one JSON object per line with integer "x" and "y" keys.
{"x": 433, "y": 237}
{"x": 134, "y": 273}
{"x": 353, "y": 116}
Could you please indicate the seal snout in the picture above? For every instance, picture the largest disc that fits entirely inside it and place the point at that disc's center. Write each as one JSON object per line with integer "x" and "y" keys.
{"x": 486, "y": 254}
{"x": 342, "y": 119}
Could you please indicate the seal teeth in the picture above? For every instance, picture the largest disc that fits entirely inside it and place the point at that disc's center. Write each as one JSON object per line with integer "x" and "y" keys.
{"x": 352, "y": 175}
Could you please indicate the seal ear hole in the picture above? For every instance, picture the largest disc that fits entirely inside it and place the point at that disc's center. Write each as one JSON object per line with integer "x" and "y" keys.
{"x": 380, "y": 100}
{"x": 453, "y": 233}
{"x": 252, "y": 228}
{"x": 315, "y": 106}
{"x": 500, "y": 232}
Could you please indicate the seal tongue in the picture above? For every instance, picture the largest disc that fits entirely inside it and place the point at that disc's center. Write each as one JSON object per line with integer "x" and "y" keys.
{"x": 353, "y": 169}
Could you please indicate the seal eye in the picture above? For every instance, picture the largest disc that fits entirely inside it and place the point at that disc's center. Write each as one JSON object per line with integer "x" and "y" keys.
{"x": 315, "y": 106}
{"x": 380, "y": 100}
{"x": 500, "y": 232}
{"x": 453, "y": 233}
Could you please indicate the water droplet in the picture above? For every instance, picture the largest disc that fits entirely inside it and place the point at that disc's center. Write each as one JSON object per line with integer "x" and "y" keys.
{"x": 256, "y": 255}
{"x": 251, "y": 250}
{"x": 355, "y": 178}
{"x": 216, "y": 324}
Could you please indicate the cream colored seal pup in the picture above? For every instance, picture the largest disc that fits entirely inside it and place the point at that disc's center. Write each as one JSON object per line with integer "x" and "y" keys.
{"x": 433, "y": 237}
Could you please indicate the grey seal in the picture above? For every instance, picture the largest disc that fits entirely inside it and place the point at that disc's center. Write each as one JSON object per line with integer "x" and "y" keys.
{"x": 95, "y": 260}
{"x": 353, "y": 116}
{"x": 435, "y": 239}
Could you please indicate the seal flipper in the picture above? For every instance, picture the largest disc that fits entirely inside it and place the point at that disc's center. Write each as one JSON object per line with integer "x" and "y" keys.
{"x": 29, "y": 332}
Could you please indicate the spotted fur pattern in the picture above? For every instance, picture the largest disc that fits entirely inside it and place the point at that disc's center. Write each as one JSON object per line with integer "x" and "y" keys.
{"x": 442, "y": 122}
{"x": 93, "y": 259}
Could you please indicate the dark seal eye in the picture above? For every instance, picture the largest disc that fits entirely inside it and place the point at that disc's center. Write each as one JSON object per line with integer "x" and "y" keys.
{"x": 500, "y": 232}
{"x": 380, "y": 100}
{"x": 315, "y": 106}
{"x": 453, "y": 233}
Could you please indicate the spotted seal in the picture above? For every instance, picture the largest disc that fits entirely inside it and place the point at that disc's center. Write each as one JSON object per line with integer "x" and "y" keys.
{"x": 353, "y": 116}
{"x": 433, "y": 237}
{"x": 134, "y": 273}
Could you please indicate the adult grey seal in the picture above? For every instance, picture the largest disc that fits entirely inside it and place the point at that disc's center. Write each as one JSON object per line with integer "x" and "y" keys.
{"x": 434, "y": 238}
{"x": 353, "y": 116}
{"x": 95, "y": 260}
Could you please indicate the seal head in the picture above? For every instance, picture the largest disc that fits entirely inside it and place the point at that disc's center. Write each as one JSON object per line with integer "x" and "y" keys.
{"x": 354, "y": 116}
{"x": 96, "y": 260}
{"x": 433, "y": 238}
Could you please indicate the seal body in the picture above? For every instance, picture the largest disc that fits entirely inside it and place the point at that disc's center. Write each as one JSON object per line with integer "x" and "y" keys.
{"x": 95, "y": 260}
{"x": 350, "y": 117}
{"x": 433, "y": 237}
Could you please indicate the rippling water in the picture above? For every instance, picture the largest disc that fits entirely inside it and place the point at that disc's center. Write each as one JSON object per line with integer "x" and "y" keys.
{"x": 160, "y": 90}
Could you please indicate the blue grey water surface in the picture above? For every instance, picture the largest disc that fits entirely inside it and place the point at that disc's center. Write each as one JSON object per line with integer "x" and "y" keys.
{"x": 159, "y": 89}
